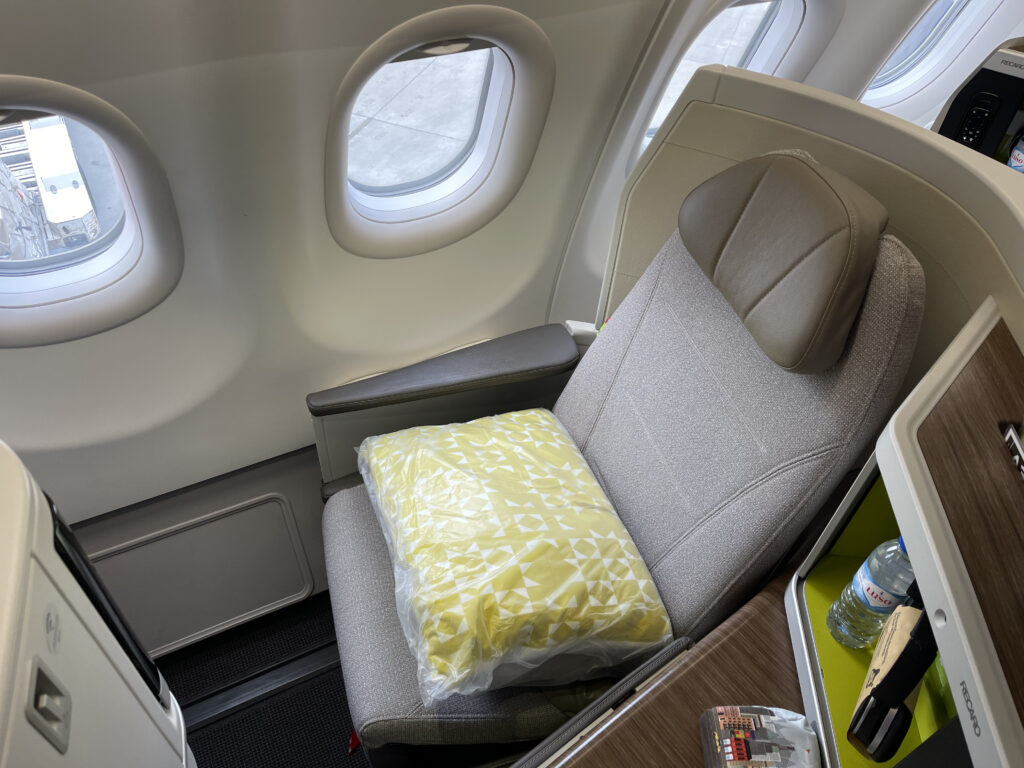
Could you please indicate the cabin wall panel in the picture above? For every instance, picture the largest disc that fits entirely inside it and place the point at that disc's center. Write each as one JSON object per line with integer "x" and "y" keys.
{"x": 235, "y": 102}
{"x": 205, "y": 558}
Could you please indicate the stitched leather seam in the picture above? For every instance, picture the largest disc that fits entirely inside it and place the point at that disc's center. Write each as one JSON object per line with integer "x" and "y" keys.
{"x": 807, "y": 254}
{"x": 841, "y": 281}
{"x": 732, "y": 232}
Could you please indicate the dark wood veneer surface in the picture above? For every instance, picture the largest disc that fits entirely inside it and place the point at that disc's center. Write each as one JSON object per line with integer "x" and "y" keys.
{"x": 982, "y": 493}
{"x": 748, "y": 659}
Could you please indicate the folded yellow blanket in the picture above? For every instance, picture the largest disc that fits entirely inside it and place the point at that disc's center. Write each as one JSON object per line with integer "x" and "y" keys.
{"x": 511, "y": 566}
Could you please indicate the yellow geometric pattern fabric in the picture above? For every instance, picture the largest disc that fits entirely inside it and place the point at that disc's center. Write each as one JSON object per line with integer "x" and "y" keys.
{"x": 510, "y": 564}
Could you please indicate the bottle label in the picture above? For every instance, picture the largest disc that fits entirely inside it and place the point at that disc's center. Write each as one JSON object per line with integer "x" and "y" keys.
{"x": 1017, "y": 157}
{"x": 872, "y": 595}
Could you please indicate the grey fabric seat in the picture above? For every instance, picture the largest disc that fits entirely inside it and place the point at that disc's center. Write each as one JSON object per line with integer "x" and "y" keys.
{"x": 717, "y": 409}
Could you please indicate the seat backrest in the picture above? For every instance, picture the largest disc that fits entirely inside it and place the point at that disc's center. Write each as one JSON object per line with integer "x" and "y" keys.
{"x": 714, "y": 455}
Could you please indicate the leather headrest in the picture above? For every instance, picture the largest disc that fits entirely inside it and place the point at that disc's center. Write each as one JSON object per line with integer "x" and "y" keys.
{"x": 791, "y": 245}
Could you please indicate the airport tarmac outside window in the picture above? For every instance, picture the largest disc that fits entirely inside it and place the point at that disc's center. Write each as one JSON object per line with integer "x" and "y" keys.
{"x": 731, "y": 38}
{"x": 417, "y": 121}
{"x": 61, "y": 199}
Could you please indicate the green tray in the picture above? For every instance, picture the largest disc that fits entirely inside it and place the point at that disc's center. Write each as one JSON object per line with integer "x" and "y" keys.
{"x": 843, "y": 669}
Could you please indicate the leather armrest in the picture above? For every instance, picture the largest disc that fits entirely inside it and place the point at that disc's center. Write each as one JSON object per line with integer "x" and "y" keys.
{"x": 535, "y": 353}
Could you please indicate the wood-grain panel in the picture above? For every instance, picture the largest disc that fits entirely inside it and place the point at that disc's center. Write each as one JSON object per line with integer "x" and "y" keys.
{"x": 747, "y": 660}
{"x": 982, "y": 493}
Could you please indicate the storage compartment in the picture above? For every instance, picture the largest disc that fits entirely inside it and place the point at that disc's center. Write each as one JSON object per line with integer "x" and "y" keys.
{"x": 834, "y": 672}
{"x": 957, "y": 493}
{"x": 209, "y": 573}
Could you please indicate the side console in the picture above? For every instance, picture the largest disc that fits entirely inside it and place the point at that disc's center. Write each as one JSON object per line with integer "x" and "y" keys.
{"x": 76, "y": 687}
{"x": 947, "y": 478}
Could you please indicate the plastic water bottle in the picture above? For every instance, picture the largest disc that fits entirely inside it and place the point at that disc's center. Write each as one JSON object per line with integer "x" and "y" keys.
{"x": 1016, "y": 160}
{"x": 880, "y": 584}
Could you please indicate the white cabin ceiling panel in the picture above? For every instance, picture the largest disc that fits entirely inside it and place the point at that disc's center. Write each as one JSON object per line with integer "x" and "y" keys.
{"x": 235, "y": 99}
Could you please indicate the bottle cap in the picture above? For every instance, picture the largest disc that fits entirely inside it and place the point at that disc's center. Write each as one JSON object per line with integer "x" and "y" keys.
{"x": 903, "y": 547}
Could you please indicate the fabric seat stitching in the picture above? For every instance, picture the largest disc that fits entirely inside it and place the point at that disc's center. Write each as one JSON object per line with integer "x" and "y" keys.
{"x": 600, "y": 480}
{"x": 625, "y": 354}
{"x": 711, "y": 371}
{"x": 752, "y": 485}
{"x": 772, "y": 537}
{"x": 650, "y": 440}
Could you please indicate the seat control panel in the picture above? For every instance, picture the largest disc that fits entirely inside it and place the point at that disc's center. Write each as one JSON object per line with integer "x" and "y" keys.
{"x": 986, "y": 113}
{"x": 979, "y": 116}
{"x": 49, "y": 706}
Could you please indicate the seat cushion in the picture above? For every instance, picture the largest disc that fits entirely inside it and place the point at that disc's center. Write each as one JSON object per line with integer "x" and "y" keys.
{"x": 380, "y": 672}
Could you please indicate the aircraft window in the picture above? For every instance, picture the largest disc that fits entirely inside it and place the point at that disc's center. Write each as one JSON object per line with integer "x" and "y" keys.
{"x": 924, "y": 36}
{"x": 731, "y": 38}
{"x": 418, "y": 118}
{"x": 428, "y": 140}
{"x": 89, "y": 234}
{"x": 61, "y": 192}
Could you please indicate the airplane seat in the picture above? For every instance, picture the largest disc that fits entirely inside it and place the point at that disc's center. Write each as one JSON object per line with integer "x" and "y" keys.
{"x": 744, "y": 374}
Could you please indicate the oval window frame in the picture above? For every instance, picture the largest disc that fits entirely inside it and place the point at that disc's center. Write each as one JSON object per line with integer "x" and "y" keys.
{"x": 139, "y": 270}
{"x": 388, "y": 227}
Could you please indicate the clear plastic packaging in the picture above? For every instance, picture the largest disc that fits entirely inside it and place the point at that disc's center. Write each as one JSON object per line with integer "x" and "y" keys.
{"x": 511, "y": 567}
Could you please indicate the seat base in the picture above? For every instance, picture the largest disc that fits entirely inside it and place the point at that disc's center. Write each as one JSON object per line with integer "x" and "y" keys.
{"x": 380, "y": 671}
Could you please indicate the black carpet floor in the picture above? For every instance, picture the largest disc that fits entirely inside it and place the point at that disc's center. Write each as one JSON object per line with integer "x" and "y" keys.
{"x": 301, "y": 725}
{"x": 304, "y": 726}
{"x": 222, "y": 661}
